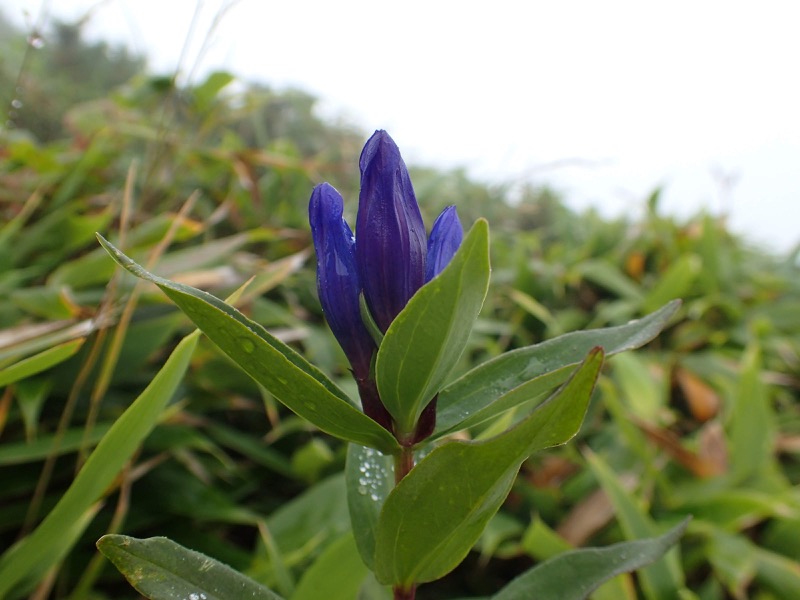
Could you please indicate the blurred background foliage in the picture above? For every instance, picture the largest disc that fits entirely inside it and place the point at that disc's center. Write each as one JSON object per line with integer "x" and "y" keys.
{"x": 209, "y": 184}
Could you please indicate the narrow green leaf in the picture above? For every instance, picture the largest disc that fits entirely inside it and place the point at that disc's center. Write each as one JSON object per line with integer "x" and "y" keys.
{"x": 778, "y": 573}
{"x": 251, "y": 447}
{"x": 643, "y": 394}
{"x": 311, "y": 520}
{"x": 737, "y": 561}
{"x": 160, "y": 569}
{"x": 283, "y": 372}
{"x": 575, "y": 574}
{"x": 31, "y": 395}
{"x": 54, "y": 537}
{"x": 427, "y": 338}
{"x": 663, "y": 580}
{"x": 733, "y": 559}
{"x": 16, "y": 453}
{"x": 535, "y": 308}
{"x": 369, "y": 476}
{"x": 39, "y": 362}
{"x": 541, "y": 542}
{"x": 437, "y": 512}
{"x": 337, "y": 574}
{"x": 611, "y": 277}
{"x": 675, "y": 282}
{"x": 52, "y": 334}
{"x": 752, "y": 421}
{"x": 528, "y": 373}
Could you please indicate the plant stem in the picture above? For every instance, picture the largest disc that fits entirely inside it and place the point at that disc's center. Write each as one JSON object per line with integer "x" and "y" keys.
{"x": 403, "y": 463}
{"x": 403, "y": 594}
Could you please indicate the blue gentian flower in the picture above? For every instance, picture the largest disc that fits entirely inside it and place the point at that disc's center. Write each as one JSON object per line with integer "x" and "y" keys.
{"x": 389, "y": 259}
{"x": 392, "y": 245}
{"x": 446, "y": 236}
{"x": 338, "y": 282}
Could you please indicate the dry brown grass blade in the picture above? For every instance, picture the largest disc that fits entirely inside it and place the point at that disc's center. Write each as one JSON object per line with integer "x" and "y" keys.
{"x": 592, "y": 514}
{"x": 714, "y": 462}
{"x": 703, "y": 402}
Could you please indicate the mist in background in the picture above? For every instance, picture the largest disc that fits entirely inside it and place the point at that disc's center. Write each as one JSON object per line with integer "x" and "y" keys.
{"x": 601, "y": 102}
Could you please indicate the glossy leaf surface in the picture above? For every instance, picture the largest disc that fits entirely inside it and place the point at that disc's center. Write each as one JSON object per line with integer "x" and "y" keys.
{"x": 370, "y": 478}
{"x": 528, "y": 373}
{"x": 575, "y": 574}
{"x": 283, "y": 372}
{"x": 161, "y": 569}
{"x": 436, "y": 513}
{"x": 426, "y": 339}
{"x": 663, "y": 580}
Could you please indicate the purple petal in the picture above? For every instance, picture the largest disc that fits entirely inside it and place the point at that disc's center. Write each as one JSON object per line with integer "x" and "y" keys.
{"x": 337, "y": 277}
{"x": 391, "y": 245}
{"x": 446, "y": 236}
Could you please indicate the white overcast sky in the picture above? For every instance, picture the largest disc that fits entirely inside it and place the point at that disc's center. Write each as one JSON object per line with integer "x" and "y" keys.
{"x": 602, "y": 100}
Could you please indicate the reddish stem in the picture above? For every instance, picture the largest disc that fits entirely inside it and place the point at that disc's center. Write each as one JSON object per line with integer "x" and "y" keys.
{"x": 403, "y": 463}
{"x": 401, "y": 594}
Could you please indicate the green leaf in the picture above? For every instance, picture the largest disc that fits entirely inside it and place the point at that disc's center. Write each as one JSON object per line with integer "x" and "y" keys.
{"x": 644, "y": 395}
{"x": 15, "y": 453}
{"x": 283, "y": 372}
{"x": 39, "y": 362}
{"x": 160, "y": 569}
{"x": 338, "y": 572}
{"x": 528, "y": 373}
{"x": 207, "y": 92}
{"x": 751, "y": 427}
{"x": 663, "y": 580}
{"x": 737, "y": 561}
{"x": 312, "y": 520}
{"x": 437, "y": 512}
{"x": 675, "y": 282}
{"x": 733, "y": 559}
{"x": 56, "y": 534}
{"x": 370, "y": 478}
{"x": 575, "y": 574}
{"x": 427, "y": 338}
{"x": 778, "y": 573}
{"x": 610, "y": 277}
{"x": 541, "y": 542}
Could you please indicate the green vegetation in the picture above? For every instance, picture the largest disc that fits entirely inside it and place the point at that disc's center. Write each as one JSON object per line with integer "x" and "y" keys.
{"x": 210, "y": 187}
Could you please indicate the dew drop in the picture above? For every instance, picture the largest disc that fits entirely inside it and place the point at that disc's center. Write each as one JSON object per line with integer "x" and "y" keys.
{"x": 247, "y": 345}
{"x": 362, "y": 489}
{"x": 16, "y": 103}
{"x": 374, "y": 497}
{"x": 311, "y": 406}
